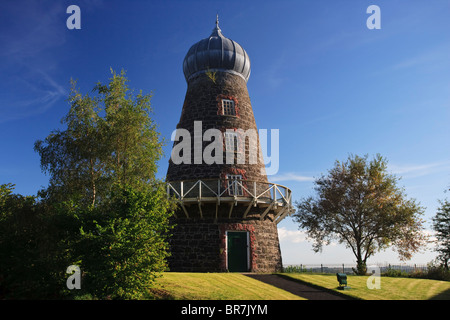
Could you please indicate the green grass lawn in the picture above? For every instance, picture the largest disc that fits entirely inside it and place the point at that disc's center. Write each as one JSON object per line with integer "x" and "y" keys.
{"x": 235, "y": 286}
{"x": 390, "y": 288}
{"x": 216, "y": 286}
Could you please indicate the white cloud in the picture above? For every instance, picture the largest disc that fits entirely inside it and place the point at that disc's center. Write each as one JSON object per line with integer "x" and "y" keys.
{"x": 291, "y": 177}
{"x": 434, "y": 57}
{"x": 417, "y": 170}
{"x": 43, "y": 92}
{"x": 293, "y": 236}
{"x": 36, "y": 28}
{"x": 431, "y": 234}
{"x": 28, "y": 62}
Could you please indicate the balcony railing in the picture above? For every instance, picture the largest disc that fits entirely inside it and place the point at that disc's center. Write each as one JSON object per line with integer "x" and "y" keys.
{"x": 273, "y": 197}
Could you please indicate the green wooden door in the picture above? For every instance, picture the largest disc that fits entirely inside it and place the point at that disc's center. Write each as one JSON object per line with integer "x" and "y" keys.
{"x": 237, "y": 247}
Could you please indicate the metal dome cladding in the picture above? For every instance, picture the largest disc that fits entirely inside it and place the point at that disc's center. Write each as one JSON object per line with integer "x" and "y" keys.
{"x": 216, "y": 53}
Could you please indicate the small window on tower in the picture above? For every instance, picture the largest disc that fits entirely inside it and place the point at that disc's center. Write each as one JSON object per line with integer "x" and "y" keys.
{"x": 234, "y": 184}
{"x": 228, "y": 107}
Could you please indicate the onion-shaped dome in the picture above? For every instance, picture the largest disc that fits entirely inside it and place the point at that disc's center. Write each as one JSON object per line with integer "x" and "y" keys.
{"x": 216, "y": 53}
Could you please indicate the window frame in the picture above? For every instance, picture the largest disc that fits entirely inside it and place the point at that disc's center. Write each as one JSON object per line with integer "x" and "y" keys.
{"x": 229, "y": 107}
{"x": 230, "y": 102}
{"x": 233, "y": 188}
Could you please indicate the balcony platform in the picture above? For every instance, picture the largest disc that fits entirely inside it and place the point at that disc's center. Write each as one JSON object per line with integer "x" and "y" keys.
{"x": 274, "y": 198}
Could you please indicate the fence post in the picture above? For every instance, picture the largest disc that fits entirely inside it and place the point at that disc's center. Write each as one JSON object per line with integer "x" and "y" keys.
{"x": 321, "y": 268}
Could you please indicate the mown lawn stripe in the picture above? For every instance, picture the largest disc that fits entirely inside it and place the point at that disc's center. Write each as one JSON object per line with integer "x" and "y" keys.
{"x": 391, "y": 288}
{"x": 217, "y": 286}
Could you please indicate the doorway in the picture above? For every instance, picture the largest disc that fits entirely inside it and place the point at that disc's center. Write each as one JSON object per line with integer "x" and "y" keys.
{"x": 237, "y": 251}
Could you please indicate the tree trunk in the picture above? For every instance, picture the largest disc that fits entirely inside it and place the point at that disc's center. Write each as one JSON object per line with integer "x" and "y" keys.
{"x": 361, "y": 267}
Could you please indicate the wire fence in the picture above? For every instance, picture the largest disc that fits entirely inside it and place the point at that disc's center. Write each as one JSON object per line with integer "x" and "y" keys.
{"x": 348, "y": 268}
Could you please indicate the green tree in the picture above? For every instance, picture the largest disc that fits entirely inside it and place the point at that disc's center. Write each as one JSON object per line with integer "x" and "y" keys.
{"x": 109, "y": 212}
{"x": 26, "y": 250}
{"x": 122, "y": 247}
{"x": 17, "y": 241}
{"x": 441, "y": 225}
{"x": 110, "y": 138}
{"x": 358, "y": 204}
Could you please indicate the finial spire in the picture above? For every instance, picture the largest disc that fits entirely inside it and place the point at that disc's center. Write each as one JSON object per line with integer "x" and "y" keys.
{"x": 216, "y": 31}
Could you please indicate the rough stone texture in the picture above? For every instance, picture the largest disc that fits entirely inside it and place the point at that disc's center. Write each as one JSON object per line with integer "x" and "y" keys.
{"x": 198, "y": 244}
{"x": 202, "y": 103}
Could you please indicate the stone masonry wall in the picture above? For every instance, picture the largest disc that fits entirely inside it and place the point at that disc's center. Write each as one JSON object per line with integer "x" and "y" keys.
{"x": 203, "y": 103}
{"x": 200, "y": 245}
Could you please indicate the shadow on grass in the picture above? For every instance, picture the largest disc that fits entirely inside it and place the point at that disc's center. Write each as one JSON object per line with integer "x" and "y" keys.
{"x": 161, "y": 294}
{"x": 333, "y": 292}
{"x": 444, "y": 295}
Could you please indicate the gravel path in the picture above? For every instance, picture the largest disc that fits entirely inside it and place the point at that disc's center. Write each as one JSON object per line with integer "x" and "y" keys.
{"x": 296, "y": 288}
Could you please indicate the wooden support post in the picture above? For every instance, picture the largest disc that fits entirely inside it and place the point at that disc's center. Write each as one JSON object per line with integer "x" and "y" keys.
{"x": 231, "y": 209}
{"x": 185, "y": 211}
{"x": 284, "y": 213}
{"x": 200, "y": 209}
{"x": 280, "y": 214}
{"x": 218, "y": 188}
{"x": 248, "y": 209}
{"x": 217, "y": 210}
{"x": 199, "y": 198}
{"x": 267, "y": 210}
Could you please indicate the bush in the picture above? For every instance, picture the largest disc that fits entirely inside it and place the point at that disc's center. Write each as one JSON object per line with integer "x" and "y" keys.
{"x": 122, "y": 246}
{"x": 395, "y": 273}
{"x": 294, "y": 269}
{"x": 434, "y": 271}
{"x": 31, "y": 265}
{"x": 437, "y": 272}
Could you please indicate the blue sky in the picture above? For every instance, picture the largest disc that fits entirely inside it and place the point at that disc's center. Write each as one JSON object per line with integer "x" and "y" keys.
{"x": 319, "y": 75}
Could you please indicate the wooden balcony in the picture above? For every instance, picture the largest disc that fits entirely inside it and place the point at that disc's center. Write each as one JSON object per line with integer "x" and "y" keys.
{"x": 273, "y": 197}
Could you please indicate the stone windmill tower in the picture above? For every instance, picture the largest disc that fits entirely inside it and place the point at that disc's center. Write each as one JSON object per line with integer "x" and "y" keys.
{"x": 228, "y": 210}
